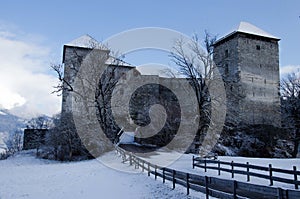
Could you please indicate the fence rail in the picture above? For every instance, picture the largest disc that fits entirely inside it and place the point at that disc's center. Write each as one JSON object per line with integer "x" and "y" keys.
{"x": 210, "y": 186}
{"x": 203, "y": 163}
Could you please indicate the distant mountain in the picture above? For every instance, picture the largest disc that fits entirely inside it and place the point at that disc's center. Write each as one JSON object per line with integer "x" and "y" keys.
{"x": 9, "y": 123}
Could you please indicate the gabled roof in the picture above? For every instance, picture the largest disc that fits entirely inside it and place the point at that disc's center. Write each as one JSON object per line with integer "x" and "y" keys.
{"x": 248, "y": 28}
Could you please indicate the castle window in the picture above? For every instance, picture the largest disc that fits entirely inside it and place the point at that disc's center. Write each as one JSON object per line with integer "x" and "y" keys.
{"x": 253, "y": 94}
{"x": 226, "y": 69}
{"x": 257, "y": 47}
{"x": 265, "y": 81}
{"x": 226, "y": 53}
{"x": 252, "y": 79}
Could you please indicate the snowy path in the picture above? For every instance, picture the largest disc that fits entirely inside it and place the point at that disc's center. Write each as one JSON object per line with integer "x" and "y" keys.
{"x": 24, "y": 176}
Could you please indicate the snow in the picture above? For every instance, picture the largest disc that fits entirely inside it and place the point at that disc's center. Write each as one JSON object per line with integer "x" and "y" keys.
{"x": 185, "y": 164}
{"x": 114, "y": 61}
{"x": 127, "y": 138}
{"x": 246, "y": 27}
{"x": 85, "y": 41}
{"x": 24, "y": 176}
{"x": 2, "y": 113}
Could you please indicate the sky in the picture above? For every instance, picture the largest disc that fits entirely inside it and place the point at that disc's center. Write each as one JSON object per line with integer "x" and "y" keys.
{"x": 32, "y": 34}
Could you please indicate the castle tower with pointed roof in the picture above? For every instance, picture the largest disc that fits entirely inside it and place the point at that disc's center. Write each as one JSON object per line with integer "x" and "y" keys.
{"x": 248, "y": 60}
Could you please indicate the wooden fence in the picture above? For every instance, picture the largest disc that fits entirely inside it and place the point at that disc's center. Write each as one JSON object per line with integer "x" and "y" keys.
{"x": 210, "y": 186}
{"x": 250, "y": 170}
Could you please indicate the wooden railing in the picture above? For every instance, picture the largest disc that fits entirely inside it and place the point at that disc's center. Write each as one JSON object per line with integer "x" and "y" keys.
{"x": 249, "y": 170}
{"x": 210, "y": 186}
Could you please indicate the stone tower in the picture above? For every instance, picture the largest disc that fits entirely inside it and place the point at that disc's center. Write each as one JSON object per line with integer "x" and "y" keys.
{"x": 249, "y": 63}
{"x": 73, "y": 54}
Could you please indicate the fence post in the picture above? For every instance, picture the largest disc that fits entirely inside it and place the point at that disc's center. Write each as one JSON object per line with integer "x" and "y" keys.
{"x": 136, "y": 163}
{"x": 204, "y": 164}
{"x": 155, "y": 172}
{"x": 164, "y": 175}
{"x": 130, "y": 159}
{"x": 279, "y": 193}
{"x": 295, "y": 176}
{"x": 234, "y": 189}
{"x": 219, "y": 169}
{"x": 193, "y": 162}
{"x": 148, "y": 168}
{"x": 270, "y": 171}
{"x": 143, "y": 166}
{"x": 232, "y": 170}
{"x": 187, "y": 184}
{"x": 173, "y": 178}
{"x": 206, "y": 188}
{"x": 248, "y": 175}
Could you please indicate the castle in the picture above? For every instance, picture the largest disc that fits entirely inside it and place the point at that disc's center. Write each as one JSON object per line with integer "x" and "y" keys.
{"x": 247, "y": 58}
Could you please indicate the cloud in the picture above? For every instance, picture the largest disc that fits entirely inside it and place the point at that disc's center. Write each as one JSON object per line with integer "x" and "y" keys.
{"x": 25, "y": 79}
{"x": 285, "y": 70}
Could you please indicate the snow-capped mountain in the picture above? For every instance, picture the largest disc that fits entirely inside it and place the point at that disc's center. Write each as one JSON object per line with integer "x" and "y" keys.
{"x": 9, "y": 123}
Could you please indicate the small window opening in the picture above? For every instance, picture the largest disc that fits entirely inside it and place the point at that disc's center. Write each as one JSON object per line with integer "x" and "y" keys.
{"x": 257, "y": 47}
{"x": 226, "y": 69}
{"x": 226, "y": 53}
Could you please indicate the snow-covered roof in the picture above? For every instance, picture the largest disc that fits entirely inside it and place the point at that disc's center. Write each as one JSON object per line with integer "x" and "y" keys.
{"x": 116, "y": 61}
{"x": 249, "y": 28}
{"x": 245, "y": 27}
{"x": 86, "y": 41}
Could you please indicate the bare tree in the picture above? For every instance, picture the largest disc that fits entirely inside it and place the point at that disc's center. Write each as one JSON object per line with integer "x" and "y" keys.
{"x": 14, "y": 142}
{"x": 290, "y": 94}
{"x": 196, "y": 64}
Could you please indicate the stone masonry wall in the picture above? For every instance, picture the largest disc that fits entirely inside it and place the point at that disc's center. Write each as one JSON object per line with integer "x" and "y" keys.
{"x": 250, "y": 69}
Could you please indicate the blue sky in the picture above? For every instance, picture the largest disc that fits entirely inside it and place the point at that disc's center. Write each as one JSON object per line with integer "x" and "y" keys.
{"x": 44, "y": 26}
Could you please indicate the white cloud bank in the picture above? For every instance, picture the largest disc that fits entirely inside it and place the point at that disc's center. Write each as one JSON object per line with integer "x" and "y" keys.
{"x": 25, "y": 81}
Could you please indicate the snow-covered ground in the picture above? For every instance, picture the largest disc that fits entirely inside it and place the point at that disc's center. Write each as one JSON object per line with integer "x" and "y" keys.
{"x": 2, "y": 113}
{"x": 24, "y": 176}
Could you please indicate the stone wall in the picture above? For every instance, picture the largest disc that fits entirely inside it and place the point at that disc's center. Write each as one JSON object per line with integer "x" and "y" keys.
{"x": 250, "y": 68}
